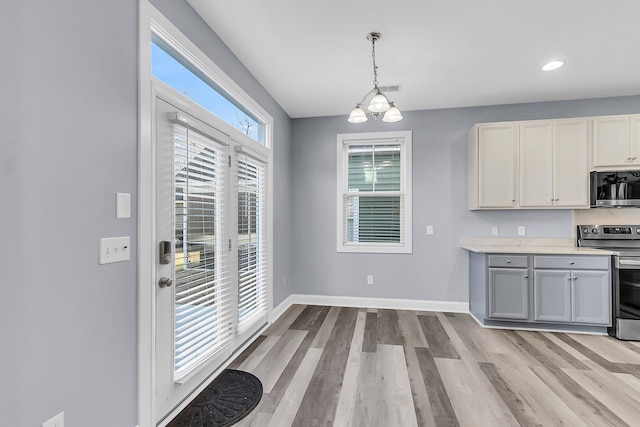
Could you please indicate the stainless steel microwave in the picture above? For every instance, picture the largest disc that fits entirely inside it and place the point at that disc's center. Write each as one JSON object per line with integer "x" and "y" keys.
{"x": 615, "y": 189}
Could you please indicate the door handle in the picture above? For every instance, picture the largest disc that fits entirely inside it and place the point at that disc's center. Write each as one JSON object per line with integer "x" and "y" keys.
{"x": 165, "y": 282}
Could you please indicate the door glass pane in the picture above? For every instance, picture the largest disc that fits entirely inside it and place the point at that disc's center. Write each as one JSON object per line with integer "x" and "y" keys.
{"x": 251, "y": 241}
{"x": 199, "y": 191}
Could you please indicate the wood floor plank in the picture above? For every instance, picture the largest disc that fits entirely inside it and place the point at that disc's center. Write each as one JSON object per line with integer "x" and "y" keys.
{"x": 346, "y": 401}
{"x": 439, "y": 342}
{"x": 364, "y": 411}
{"x": 388, "y": 328}
{"x": 370, "y": 339}
{"x": 274, "y": 363}
{"x": 598, "y": 385}
{"x": 424, "y": 414}
{"x": 309, "y": 317}
{"x": 290, "y": 402}
{"x": 327, "y": 327}
{"x": 607, "y": 347}
{"x": 235, "y": 364}
{"x": 556, "y": 354}
{"x": 394, "y": 399}
{"x": 411, "y": 330}
{"x": 590, "y": 410}
{"x": 469, "y": 401}
{"x": 254, "y": 359}
{"x": 321, "y": 398}
{"x": 283, "y": 323}
{"x": 270, "y": 401}
{"x": 443, "y": 412}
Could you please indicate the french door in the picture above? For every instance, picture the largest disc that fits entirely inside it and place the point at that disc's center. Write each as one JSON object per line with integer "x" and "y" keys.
{"x": 211, "y": 271}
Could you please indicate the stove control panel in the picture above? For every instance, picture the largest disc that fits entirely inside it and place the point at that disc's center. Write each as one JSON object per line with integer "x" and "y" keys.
{"x": 609, "y": 232}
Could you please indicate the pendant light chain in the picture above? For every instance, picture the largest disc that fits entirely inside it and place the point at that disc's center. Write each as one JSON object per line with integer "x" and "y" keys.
{"x": 373, "y": 56}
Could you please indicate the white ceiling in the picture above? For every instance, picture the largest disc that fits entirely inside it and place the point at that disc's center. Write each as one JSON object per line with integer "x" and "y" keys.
{"x": 314, "y": 59}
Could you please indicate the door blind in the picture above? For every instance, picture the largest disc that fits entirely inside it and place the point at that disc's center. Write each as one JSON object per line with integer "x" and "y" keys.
{"x": 202, "y": 293}
{"x": 252, "y": 244}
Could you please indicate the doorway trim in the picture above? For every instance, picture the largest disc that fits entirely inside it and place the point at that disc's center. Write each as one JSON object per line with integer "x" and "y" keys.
{"x": 149, "y": 18}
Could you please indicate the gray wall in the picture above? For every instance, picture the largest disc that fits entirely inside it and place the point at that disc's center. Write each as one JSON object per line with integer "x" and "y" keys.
{"x": 69, "y": 90}
{"x": 68, "y": 79}
{"x": 438, "y": 269}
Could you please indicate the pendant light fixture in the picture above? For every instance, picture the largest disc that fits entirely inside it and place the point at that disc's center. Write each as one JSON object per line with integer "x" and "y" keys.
{"x": 379, "y": 103}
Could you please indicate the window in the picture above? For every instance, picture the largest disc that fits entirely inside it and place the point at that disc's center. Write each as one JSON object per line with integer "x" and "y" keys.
{"x": 374, "y": 192}
{"x": 173, "y": 69}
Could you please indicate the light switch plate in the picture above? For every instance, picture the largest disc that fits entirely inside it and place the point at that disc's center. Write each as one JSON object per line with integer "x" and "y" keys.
{"x": 115, "y": 249}
{"x": 429, "y": 229}
{"x": 521, "y": 230}
{"x": 57, "y": 421}
{"x": 123, "y": 205}
{"x": 370, "y": 279}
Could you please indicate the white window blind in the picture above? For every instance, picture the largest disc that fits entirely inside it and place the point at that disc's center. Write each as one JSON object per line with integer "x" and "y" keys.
{"x": 252, "y": 243}
{"x": 374, "y": 184}
{"x": 203, "y": 303}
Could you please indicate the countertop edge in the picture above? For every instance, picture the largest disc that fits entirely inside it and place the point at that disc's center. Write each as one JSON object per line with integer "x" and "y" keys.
{"x": 546, "y": 250}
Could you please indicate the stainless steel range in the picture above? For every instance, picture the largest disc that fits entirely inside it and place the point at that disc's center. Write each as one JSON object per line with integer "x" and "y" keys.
{"x": 624, "y": 242}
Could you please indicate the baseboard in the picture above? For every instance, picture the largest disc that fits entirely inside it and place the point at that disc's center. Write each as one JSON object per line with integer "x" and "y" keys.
{"x": 365, "y": 302}
{"x": 280, "y": 309}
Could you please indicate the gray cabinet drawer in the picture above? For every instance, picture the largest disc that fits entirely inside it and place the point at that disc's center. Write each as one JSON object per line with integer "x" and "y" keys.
{"x": 572, "y": 262}
{"x": 507, "y": 261}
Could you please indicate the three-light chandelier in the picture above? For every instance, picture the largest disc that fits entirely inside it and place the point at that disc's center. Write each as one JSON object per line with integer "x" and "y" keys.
{"x": 379, "y": 103}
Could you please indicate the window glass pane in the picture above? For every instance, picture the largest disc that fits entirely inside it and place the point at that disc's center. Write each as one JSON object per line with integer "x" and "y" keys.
{"x": 374, "y": 168}
{"x": 360, "y": 168}
{"x": 168, "y": 66}
{"x": 373, "y": 219}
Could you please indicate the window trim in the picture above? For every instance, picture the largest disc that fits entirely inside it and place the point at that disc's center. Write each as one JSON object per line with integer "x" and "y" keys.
{"x": 375, "y": 138}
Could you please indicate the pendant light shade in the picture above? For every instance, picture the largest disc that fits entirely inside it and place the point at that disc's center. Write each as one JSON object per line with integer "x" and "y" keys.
{"x": 357, "y": 115}
{"x": 379, "y": 103}
{"x": 392, "y": 115}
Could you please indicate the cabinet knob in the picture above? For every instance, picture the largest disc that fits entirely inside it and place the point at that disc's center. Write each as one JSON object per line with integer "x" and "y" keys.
{"x": 508, "y": 261}
{"x": 572, "y": 262}
{"x": 526, "y": 276}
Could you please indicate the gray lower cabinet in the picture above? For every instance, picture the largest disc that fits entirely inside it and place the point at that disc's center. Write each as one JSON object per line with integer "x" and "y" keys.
{"x": 508, "y": 296}
{"x": 553, "y": 291}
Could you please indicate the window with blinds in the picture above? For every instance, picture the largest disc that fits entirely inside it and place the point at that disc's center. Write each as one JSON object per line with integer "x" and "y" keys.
{"x": 252, "y": 245}
{"x": 202, "y": 301}
{"x": 374, "y": 206}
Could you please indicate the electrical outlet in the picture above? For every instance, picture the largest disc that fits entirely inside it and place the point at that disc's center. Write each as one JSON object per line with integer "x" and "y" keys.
{"x": 57, "y": 421}
{"x": 521, "y": 230}
{"x": 429, "y": 229}
{"x": 115, "y": 249}
{"x": 494, "y": 230}
{"x": 370, "y": 279}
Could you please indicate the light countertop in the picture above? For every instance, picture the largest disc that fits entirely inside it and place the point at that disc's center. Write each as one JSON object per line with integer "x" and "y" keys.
{"x": 491, "y": 245}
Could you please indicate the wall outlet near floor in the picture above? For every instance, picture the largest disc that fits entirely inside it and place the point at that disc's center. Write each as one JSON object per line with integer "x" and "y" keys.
{"x": 521, "y": 230}
{"x": 429, "y": 229}
{"x": 494, "y": 230}
{"x": 370, "y": 279}
{"x": 57, "y": 421}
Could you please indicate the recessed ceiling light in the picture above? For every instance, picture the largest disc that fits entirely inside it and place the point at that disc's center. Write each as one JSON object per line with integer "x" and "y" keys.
{"x": 553, "y": 65}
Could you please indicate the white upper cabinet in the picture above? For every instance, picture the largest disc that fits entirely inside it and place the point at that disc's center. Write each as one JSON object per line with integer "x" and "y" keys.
{"x": 554, "y": 164}
{"x": 616, "y": 141}
{"x": 571, "y": 163}
{"x": 493, "y": 160}
{"x": 532, "y": 165}
{"x": 536, "y": 164}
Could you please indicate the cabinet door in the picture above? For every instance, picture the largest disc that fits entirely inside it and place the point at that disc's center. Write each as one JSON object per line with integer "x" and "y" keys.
{"x": 611, "y": 141}
{"x": 552, "y": 295}
{"x": 591, "y": 297}
{"x": 497, "y": 165}
{"x": 508, "y": 294}
{"x": 635, "y": 140}
{"x": 536, "y": 164}
{"x": 571, "y": 163}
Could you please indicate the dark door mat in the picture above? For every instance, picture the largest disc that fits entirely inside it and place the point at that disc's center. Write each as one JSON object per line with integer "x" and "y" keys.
{"x": 228, "y": 399}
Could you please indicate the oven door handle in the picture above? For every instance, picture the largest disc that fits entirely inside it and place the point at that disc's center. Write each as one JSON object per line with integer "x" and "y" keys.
{"x": 627, "y": 262}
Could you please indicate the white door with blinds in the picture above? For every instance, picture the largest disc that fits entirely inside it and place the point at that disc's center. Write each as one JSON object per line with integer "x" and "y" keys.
{"x": 211, "y": 292}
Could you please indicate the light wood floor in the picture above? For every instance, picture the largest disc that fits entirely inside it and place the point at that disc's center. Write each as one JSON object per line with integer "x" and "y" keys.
{"x": 330, "y": 366}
